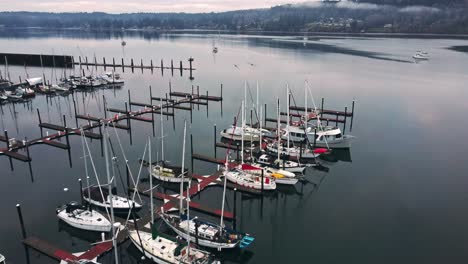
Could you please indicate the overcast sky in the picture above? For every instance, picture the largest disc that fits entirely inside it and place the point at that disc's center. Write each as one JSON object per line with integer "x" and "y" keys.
{"x": 126, "y": 6}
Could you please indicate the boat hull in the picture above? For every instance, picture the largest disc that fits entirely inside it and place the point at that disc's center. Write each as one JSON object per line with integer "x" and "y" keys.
{"x": 149, "y": 255}
{"x": 81, "y": 223}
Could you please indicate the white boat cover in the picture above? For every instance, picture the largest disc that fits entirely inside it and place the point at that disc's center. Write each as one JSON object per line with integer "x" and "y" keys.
{"x": 34, "y": 81}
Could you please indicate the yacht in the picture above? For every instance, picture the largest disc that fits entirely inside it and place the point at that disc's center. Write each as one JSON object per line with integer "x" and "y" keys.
{"x": 324, "y": 137}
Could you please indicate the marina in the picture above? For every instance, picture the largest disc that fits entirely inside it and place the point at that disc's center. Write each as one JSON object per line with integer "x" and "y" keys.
{"x": 183, "y": 181}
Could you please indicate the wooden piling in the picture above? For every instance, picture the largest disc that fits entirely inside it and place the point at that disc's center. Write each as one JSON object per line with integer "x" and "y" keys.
{"x": 104, "y": 62}
{"x": 151, "y": 66}
{"x": 86, "y": 58}
{"x": 191, "y": 152}
{"x": 162, "y": 68}
{"x": 181, "y": 68}
{"x": 113, "y": 63}
{"x": 215, "y": 136}
{"x": 344, "y": 121}
{"x": 352, "y": 117}
{"x": 123, "y": 65}
{"x": 172, "y": 67}
{"x": 131, "y": 65}
{"x": 81, "y": 190}
{"x": 321, "y": 108}
{"x": 141, "y": 63}
{"x": 20, "y": 216}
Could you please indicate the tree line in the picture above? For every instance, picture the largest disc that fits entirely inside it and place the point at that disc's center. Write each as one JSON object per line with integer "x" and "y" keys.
{"x": 390, "y": 16}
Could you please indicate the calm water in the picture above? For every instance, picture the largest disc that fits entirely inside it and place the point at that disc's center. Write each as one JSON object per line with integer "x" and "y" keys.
{"x": 400, "y": 197}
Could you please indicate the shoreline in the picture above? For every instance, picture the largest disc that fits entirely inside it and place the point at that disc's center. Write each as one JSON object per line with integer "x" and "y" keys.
{"x": 257, "y": 32}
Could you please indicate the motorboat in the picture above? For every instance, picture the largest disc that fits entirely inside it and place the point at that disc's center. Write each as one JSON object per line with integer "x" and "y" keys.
{"x": 421, "y": 55}
{"x": 79, "y": 216}
{"x": 321, "y": 136}
{"x": 112, "y": 78}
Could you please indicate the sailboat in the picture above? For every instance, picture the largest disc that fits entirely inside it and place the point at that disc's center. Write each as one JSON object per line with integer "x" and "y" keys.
{"x": 164, "y": 249}
{"x": 103, "y": 198}
{"x": 244, "y": 132}
{"x": 165, "y": 172}
{"x": 108, "y": 198}
{"x": 205, "y": 233}
{"x": 161, "y": 248}
{"x": 80, "y": 216}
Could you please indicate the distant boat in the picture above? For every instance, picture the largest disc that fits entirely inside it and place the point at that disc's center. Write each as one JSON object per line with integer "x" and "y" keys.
{"x": 215, "y": 49}
{"x": 123, "y": 43}
{"x": 421, "y": 55}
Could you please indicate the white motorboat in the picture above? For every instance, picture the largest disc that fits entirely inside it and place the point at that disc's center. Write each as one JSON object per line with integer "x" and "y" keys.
{"x": 100, "y": 197}
{"x": 248, "y": 180}
{"x": 3, "y": 96}
{"x": 167, "y": 250}
{"x": 324, "y": 137}
{"x": 209, "y": 234}
{"x": 421, "y": 55}
{"x": 112, "y": 78}
{"x": 80, "y": 217}
{"x": 164, "y": 172}
{"x": 250, "y": 134}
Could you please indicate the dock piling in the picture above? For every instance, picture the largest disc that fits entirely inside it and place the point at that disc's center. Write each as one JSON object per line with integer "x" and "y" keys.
{"x": 81, "y": 190}
{"x": 352, "y": 117}
{"x": 20, "y": 216}
{"x": 123, "y": 65}
{"x": 215, "y": 141}
{"x": 104, "y": 62}
{"x": 344, "y": 121}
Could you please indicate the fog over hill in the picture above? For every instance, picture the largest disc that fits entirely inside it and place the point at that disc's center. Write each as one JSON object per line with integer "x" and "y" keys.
{"x": 383, "y": 16}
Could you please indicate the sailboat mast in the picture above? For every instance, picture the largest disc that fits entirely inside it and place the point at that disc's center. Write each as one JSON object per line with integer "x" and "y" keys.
{"x": 278, "y": 129}
{"x": 162, "y": 132}
{"x": 260, "y": 126}
{"x": 224, "y": 196}
{"x": 106, "y": 157}
{"x": 85, "y": 164}
{"x": 256, "y": 106}
{"x": 7, "y": 69}
{"x": 151, "y": 181}
{"x": 287, "y": 111}
{"x": 242, "y": 134}
{"x": 181, "y": 196}
{"x": 306, "y": 118}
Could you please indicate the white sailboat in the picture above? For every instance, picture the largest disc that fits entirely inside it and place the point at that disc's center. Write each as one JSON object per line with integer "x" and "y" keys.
{"x": 167, "y": 250}
{"x": 162, "y": 248}
{"x": 205, "y": 233}
{"x": 165, "y": 172}
{"x": 79, "y": 216}
{"x": 244, "y": 132}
